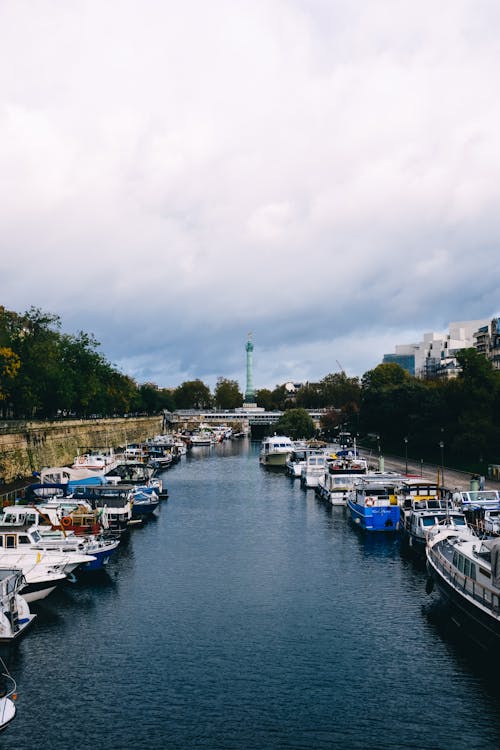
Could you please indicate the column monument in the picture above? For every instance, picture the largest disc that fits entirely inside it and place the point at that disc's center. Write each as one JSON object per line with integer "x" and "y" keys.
{"x": 249, "y": 402}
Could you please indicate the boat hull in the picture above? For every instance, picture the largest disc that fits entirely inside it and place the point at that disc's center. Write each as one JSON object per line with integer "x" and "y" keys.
{"x": 274, "y": 459}
{"x": 477, "y": 624}
{"x": 375, "y": 518}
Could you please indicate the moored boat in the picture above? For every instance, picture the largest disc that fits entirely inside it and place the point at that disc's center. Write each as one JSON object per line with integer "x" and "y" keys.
{"x": 466, "y": 571}
{"x": 275, "y": 450}
{"x": 15, "y": 615}
{"x": 313, "y": 469}
{"x": 373, "y": 505}
{"x": 7, "y": 697}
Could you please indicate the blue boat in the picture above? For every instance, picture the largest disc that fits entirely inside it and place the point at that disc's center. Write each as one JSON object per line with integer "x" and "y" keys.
{"x": 373, "y": 505}
{"x": 144, "y": 502}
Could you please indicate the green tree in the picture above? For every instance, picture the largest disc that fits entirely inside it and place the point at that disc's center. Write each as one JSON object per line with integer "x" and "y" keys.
{"x": 264, "y": 399}
{"x": 297, "y": 424}
{"x": 9, "y": 367}
{"x": 227, "y": 394}
{"x": 193, "y": 394}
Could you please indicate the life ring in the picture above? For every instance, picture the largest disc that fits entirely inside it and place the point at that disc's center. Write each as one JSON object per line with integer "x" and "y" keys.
{"x": 369, "y": 501}
{"x": 66, "y": 521}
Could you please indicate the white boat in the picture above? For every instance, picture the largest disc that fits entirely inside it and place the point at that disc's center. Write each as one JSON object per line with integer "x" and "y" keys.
{"x": 313, "y": 469}
{"x": 43, "y": 569}
{"x": 341, "y": 473}
{"x": 466, "y": 570}
{"x": 15, "y": 615}
{"x": 8, "y": 696}
{"x": 275, "y": 450}
{"x": 97, "y": 460}
{"x": 54, "y": 536}
{"x": 297, "y": 459}
{"x": 202, "y": 438}
{"x": 335, "y": 488}
{"x": 482, "y": 498}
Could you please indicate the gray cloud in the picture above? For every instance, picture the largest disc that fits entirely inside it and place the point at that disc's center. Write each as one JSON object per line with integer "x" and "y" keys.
{"x": 321, "y": 173}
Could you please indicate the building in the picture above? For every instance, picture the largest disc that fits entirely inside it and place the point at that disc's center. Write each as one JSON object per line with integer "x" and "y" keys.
{"x": 487, "y": 341}
{"x": 435, "y": 355}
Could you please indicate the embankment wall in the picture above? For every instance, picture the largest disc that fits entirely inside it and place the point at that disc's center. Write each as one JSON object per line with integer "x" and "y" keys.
{"x": 26, "y": 447}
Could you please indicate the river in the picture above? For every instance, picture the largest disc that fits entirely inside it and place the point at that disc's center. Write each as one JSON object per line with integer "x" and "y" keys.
{"x": 249, "y": 615}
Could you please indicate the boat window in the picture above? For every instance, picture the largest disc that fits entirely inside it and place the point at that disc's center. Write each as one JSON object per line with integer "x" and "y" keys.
{"x": 23, "y": 539}
{"x": 461, "y": 563}
{"x": 455, "y": 558}
{"x": 428, "y": 521}
{"x": 473, "y": 571}
{"x": 1, "y": 540}
{"x": 31, "y": 518}
{"x": 467, "y": 567}
{"x": 485, "y": 572}
{"x": 459, "y": 521}
{"x": 36, "y": 536}
{"x": 10, "y": 541}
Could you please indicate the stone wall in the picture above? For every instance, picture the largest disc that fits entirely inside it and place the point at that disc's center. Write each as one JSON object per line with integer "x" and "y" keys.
{"x": 26, "y": 447}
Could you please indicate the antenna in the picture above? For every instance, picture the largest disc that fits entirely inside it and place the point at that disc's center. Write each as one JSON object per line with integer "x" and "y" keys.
{"x": 341, "y": 368}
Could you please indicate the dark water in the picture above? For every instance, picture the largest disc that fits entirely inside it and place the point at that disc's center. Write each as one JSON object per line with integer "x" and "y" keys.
{"x": 249, "y": 615}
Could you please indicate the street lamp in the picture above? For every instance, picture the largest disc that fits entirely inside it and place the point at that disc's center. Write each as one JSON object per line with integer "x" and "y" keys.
{"x": 406, "y": 455}
{"x": 441, "y": 445}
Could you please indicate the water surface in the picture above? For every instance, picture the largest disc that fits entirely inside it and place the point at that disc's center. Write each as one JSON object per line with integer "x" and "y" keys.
{"x": 248, "y": 614}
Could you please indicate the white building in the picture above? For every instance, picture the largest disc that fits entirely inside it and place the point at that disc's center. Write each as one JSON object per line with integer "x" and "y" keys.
{"x": 435, "y": 355}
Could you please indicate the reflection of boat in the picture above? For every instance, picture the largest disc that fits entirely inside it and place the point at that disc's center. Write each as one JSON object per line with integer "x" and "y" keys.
{"x": 15, "y": 615}
{"x": 7, "y": 696}
{"x": 466, "y": 570}
{"x": 275, "y": 450}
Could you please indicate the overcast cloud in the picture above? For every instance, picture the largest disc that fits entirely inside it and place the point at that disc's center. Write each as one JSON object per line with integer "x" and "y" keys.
{"x": 323, "y": 173}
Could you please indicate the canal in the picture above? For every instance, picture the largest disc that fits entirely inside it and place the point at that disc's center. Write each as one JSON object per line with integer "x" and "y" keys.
{"x": 249, "y": 615}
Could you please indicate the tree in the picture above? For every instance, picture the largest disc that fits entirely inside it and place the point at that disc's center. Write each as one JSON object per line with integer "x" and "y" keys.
{"x": 9, "y": 367}
{"x": 264, "y": 399}
{"x": 227, "y": 394}
{"x": 297, "y": 424}
{"x": 193, "y": 394}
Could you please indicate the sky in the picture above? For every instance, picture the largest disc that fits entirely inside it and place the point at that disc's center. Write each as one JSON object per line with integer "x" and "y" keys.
{"x": 321, "y": 173}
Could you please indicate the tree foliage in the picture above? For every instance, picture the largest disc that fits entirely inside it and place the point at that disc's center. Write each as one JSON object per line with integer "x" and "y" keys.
{"x": 297, "y": 424}
{"x": 193, "y": 394}
{"x": 227, "y": 394}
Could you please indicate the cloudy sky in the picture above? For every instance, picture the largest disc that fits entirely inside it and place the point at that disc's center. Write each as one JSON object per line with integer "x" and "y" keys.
{"x": 323, "y": 173}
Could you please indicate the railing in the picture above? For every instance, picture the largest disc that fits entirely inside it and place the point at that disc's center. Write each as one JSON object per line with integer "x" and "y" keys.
{"x": 480, "y": 593}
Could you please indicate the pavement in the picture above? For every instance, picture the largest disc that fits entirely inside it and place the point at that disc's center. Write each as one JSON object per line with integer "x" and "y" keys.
{"x": 431, "y": 472}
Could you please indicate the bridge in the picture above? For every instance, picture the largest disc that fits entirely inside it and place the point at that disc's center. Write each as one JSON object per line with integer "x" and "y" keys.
{"x": 255, "y": 416}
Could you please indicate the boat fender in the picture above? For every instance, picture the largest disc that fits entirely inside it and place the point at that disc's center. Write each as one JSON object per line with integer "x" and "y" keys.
{"x": 429, "y": 585}
{"x": 369, "y": 501}
{"x": 65, "y": 521}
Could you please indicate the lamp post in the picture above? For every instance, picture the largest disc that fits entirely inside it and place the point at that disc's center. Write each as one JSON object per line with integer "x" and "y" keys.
{"x": 406, "y": 455}
{"x": 441, "y": 445}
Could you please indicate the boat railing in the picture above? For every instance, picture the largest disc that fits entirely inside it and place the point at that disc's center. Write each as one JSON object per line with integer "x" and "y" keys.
{"x": 478, "y": 591}
{"x": 9, "y": 686}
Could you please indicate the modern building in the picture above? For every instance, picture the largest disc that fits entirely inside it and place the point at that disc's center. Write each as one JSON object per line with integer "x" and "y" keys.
{"x": 435, "y": 355}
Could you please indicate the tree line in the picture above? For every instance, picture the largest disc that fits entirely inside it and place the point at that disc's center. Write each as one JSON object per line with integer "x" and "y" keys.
{"x": 45, "y": 373}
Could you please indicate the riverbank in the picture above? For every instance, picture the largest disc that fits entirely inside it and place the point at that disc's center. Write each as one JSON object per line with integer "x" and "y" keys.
{"x": 26, "y": 447}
